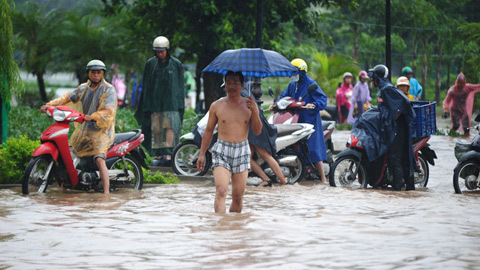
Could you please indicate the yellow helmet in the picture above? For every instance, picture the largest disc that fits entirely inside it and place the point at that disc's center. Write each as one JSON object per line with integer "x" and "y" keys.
{"x": 300, "y": 64}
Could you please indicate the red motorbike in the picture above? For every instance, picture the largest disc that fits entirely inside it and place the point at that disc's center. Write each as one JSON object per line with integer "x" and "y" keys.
{"x": 55, "y": 160}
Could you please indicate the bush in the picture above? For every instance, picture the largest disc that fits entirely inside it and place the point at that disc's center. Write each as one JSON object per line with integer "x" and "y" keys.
{"x": 158, "y": 177}
{"x": 31, "y": 96}
{"x": 190, "y": 119}
{"x": 125, "y": 120}
{"x": 23, "y": 120}
{"x": 14, "y": 157}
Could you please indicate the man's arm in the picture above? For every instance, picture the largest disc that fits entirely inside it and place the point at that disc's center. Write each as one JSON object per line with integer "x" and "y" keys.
{"x": 71, "y": 96}
{"x": 319, "y": 99}
{"x": 207, "y": 136}
{"x": 255, "y": 121}
{"x": 447, "y": 100}
{"x": 419, "y": 89}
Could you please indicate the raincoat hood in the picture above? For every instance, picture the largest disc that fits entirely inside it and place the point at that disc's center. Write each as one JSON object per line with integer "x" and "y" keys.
{"x": 376, "y": 128}
{"x": 459, "y": 101}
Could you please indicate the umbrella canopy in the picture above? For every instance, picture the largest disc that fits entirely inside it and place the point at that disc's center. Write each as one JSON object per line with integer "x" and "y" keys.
{"x": 252, "y": 62}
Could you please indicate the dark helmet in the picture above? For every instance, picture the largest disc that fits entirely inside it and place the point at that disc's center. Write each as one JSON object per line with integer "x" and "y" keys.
{"x": 96, "y": 65}
{"x": 379, "y": 71}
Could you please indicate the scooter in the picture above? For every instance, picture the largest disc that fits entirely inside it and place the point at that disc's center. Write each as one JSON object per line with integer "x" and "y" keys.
{"x": 285, "y": 112}
{"x": 55, "y": 160}
{"x": 289, "y": 137}
{"x": 466, "y": 173}
{"x": 352, "y": 169}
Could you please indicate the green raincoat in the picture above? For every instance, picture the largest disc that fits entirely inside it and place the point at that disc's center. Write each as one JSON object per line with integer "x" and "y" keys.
{"x": 161, "y": 100}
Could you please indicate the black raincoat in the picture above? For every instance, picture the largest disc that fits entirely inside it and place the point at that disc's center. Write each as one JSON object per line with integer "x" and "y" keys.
{"x": 377, "y": 127}
{"x": 266, "y": 139}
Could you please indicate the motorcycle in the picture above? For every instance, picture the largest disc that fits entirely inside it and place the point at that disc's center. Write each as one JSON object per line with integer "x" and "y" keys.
{"x": 285, "y": 113}
{"x": 466, "y": 173}
{"x": 290, "y": 137}
{"x": 352, "y": 169}
{"x": 55, "y": 160}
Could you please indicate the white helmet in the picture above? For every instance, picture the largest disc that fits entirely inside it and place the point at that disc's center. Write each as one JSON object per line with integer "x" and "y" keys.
{"x": 161, "y": 43}
{"x": 96, "y": 65}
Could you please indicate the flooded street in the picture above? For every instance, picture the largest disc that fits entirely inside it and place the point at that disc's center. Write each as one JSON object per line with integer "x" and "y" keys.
{"x": 303, "y": 226}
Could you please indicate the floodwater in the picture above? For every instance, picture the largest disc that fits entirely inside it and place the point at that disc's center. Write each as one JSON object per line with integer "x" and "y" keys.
{"x": 304, "y": 226}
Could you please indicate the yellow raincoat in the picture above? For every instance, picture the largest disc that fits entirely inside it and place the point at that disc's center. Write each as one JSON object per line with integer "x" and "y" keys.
{"x": 92, "y": 138}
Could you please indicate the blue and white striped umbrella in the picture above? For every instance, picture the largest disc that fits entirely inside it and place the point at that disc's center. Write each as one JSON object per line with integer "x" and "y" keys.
{"x": 252, "y": 62}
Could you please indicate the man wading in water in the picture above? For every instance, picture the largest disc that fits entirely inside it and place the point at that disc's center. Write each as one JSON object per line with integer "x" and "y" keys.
{"x": 231, "y": 152}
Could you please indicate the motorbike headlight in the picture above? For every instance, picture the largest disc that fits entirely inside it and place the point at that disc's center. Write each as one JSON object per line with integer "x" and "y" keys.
{"x": 59, "y": 115}
{"x": 283, "y": 104}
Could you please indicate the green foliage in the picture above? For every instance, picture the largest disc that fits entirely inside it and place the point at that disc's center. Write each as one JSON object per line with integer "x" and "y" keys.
{"x": 343, "y": 126}
{"x": 125, "y": 121}
{"x": 10, "y": 81}
{"x": 158, "y": 177}
{"x": 190, "y": 119}
{"x": 31, "y": 97}
{"x": 328, "y": 71}
{"x": 471, "y": 33}
{"x": 27, "y": 121}
{"x": 37, "y": 36}
{"x": 14, "y": 157}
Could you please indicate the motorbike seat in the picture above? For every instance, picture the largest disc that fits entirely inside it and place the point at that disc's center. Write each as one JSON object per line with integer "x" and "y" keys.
{"x": 130, "y": 136}
{"x": 328, "y": 125}
{"x": 283, "y": 130}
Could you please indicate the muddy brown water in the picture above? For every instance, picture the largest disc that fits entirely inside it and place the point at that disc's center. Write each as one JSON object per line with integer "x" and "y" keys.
{"x": 303, "y": 226}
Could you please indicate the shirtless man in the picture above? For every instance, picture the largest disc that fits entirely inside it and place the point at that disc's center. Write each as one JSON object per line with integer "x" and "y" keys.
{"x": 231, "y": 152}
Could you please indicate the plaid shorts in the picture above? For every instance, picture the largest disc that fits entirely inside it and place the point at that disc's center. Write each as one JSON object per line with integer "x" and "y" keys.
{"x": 234, "y": 157}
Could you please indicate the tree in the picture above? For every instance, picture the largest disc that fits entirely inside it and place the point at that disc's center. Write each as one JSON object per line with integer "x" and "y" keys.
{"x": 85, "y": 36}
{"x": 471, "y": 33}
{"x": 203, "y": 29}
{"x": 36, "y": 31}
{"x": 10, "y": 81}
{"x": 328, "y": 71}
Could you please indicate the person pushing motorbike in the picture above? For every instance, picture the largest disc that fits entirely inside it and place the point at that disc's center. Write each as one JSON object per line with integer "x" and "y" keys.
{"x": 391, "y": 132}
{"x": 97, "y": 99}
{"x": 315, "y": 102}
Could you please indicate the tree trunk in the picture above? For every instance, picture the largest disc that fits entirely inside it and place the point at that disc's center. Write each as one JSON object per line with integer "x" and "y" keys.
{"x": 41, "y": 87}
{"x": 438, "y": 83}
{"x": 424, "y": 67}
{"x": 449, "y": 65}
{"x": 1, "y": 121}
{"x": 414, "y": 47}
{"x": 355, "y": 41}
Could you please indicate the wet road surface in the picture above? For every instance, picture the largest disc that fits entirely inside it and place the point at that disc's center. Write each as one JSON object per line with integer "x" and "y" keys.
{"x": 302, "y": 226}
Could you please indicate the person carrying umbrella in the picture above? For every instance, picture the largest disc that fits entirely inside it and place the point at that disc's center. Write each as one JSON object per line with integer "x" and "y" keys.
{"x": 315, "y": 102}
{"x": 231, "y": 152}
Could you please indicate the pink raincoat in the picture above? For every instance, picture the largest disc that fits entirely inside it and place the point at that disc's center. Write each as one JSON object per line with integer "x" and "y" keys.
{"x": 459, "y": 101}
{"x": 344, "y": 94}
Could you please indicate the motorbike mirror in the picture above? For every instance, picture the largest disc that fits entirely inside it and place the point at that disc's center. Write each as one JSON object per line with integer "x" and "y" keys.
{"x": 311, "y": 88}
{"x": 270, "y": 91}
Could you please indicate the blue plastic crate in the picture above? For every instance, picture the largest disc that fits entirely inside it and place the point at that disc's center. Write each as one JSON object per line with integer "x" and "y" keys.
{"x": 425, "y": 122}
